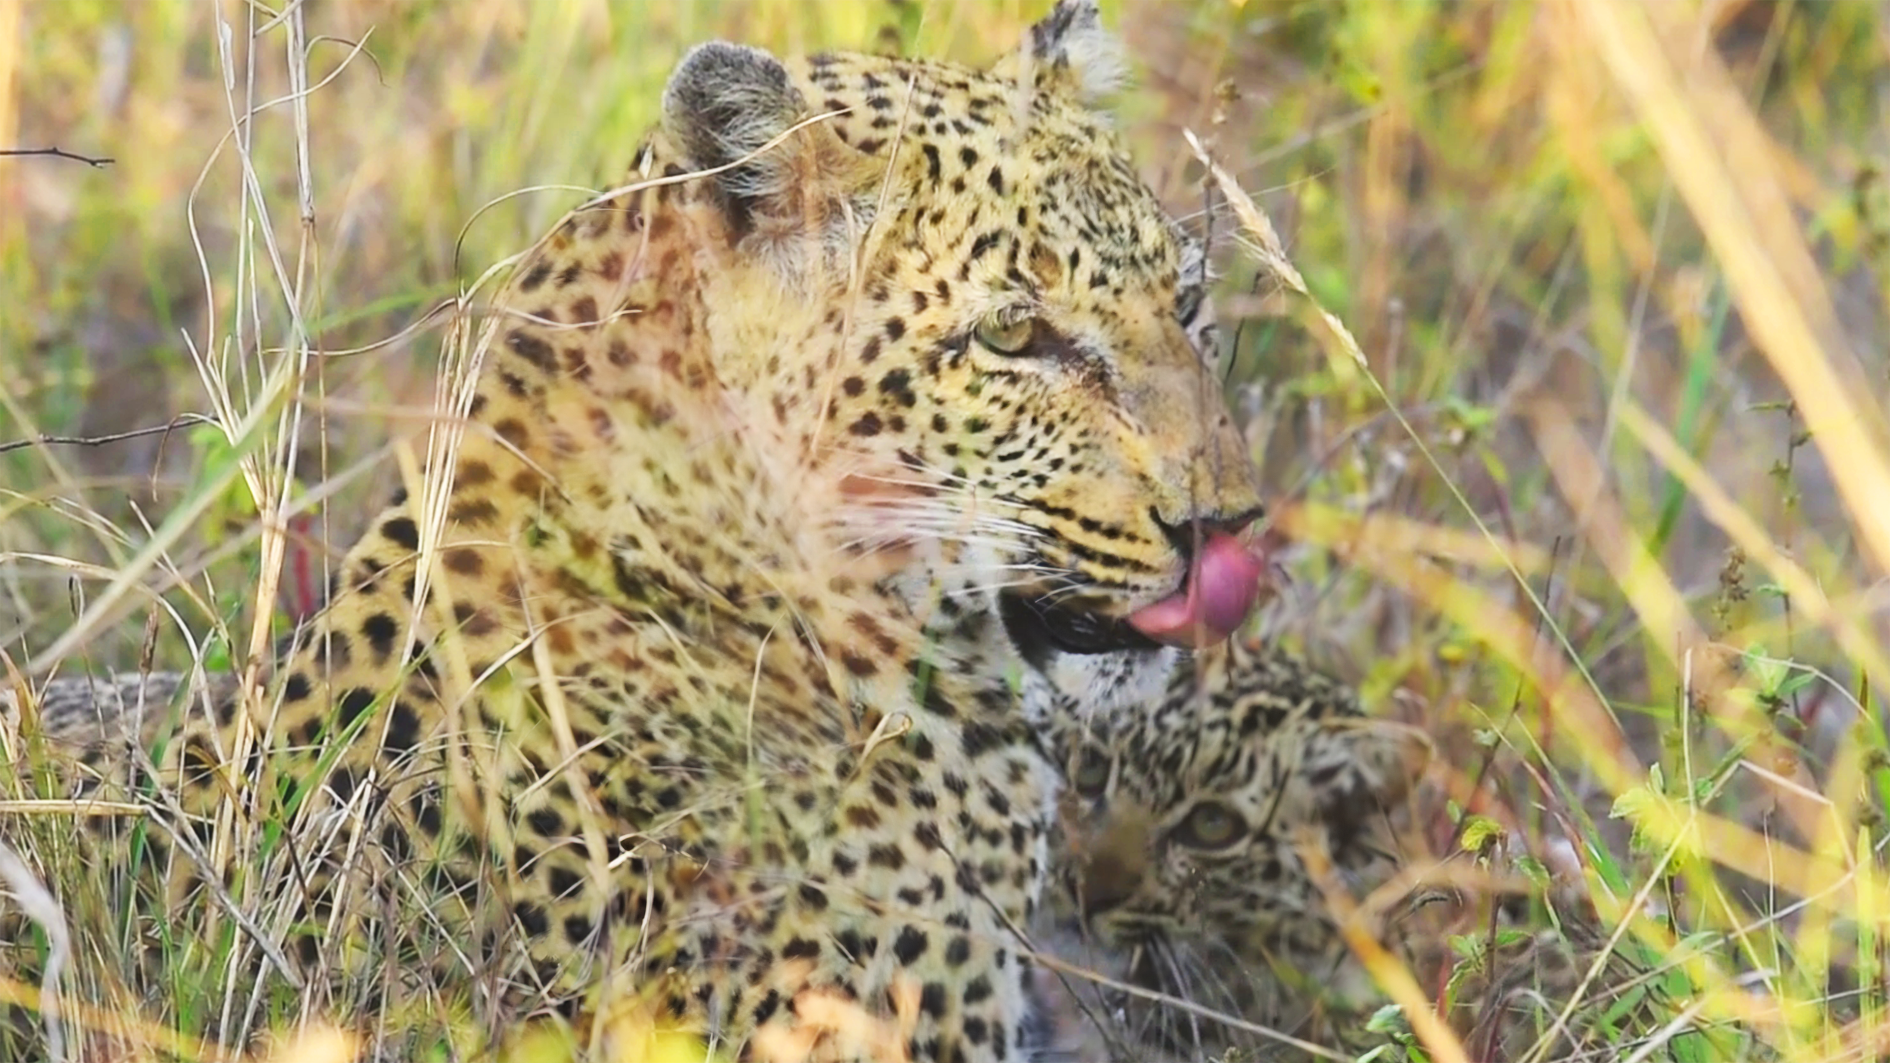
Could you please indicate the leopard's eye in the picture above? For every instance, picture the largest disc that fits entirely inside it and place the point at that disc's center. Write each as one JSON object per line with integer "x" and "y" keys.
{"x": 1091, "y": 777}
{"x": 1211, "y": 825}
{"x": 1003, "y": 335}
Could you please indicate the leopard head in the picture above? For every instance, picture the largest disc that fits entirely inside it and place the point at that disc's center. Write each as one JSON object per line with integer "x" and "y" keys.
{"x": 950, "y": 284}
{"x": 1187, "y": 830}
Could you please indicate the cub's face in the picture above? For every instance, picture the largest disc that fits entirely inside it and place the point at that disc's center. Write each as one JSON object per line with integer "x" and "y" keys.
{"x": 1185, "y": 831}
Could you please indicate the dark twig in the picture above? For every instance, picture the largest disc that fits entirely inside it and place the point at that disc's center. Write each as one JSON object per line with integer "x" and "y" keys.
{"x": 58, "y": 153}
{"x": 177, "y": 422}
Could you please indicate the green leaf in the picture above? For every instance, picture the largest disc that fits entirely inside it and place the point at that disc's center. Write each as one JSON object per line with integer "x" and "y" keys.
{"x": 1387, "y": 1019}
{"x": 1480, "y": 833}
{"x": 1635, "y": 805}
{"x": 1533, "y": 870}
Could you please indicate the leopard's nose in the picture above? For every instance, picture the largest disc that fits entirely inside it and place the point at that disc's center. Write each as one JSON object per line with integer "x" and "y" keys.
{"x": 1106, "y": 881}
{"x": 1188, "y": 534}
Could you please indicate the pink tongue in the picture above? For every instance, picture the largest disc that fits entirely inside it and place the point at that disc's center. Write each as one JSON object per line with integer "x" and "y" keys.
{"x": 1221, "y": 592}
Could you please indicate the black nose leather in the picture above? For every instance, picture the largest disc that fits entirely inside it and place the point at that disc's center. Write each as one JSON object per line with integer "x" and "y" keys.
{"x": 1187, "y": 535}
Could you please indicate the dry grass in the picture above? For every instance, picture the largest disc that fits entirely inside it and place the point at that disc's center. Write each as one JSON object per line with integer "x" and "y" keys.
{"x": 1601, "y": 497}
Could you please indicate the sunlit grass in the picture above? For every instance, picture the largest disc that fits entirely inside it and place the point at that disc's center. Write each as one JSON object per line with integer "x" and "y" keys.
{"x": 1616, "y": 267}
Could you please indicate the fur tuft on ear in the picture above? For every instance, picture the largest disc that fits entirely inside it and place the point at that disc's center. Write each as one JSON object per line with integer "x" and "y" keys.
{"x": 795, "y": 205}
{"x": 1368, "y": 766}
{"x": 1070, "y": 49}
{"x": 723, "y": 102}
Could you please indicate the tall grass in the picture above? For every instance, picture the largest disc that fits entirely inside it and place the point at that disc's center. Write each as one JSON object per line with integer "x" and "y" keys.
{"x": 1601, "y": 496}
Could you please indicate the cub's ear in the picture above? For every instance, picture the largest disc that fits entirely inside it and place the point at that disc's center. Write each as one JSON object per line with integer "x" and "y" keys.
{"x": 1069, "y": 51}
{"x": 1358, "y": 767}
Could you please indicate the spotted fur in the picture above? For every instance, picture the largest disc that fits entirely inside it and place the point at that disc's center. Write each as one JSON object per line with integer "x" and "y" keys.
{"x": 687, "y": 685}
{"x": 1180, "y": 864}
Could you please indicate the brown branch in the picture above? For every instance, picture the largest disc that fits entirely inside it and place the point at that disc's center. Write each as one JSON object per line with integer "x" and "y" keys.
{"x": 57, "y": 153}
{"x": 179, "y": 421}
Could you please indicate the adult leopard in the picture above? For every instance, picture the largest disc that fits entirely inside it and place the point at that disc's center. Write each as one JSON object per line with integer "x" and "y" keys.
{"x": 876, "y": 408}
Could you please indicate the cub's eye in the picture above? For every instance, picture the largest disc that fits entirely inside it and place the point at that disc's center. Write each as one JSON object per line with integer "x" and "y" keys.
{"x": 1004, "y": 336}
{"x": 1211, "y": 825}
{"x": 1092, "y": 774}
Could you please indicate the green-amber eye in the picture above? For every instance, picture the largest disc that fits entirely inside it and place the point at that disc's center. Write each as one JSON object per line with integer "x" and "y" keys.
{"x": 1006, "y": 336}
{"x": 1211, "y": 825}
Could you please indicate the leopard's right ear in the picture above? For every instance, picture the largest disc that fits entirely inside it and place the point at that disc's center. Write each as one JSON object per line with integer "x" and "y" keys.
{"x": 726, "y": 102}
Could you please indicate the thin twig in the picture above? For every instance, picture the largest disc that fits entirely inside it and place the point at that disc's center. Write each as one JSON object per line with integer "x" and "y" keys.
{"x": 58, "y": 153}
{"x": 180, "y": 421}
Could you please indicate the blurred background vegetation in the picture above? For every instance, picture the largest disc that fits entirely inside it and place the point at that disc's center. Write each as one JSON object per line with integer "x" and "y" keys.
{"x": 1584, "y": 511}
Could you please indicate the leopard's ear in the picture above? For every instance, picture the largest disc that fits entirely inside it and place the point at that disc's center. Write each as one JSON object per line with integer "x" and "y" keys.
{"x": 1068, "y": 51}
{"x": 725, "y": 102}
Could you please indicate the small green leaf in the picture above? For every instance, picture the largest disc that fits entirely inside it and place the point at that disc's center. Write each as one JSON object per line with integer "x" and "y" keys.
{"x": 1533, "y": 870}
{"x": 1635, "y": 805}
{"x": 1387, "y": 1019}
{"x": 1467, "y": 946}
{"x": 1509, "y": 936}
{"x": 1480, "y": 833}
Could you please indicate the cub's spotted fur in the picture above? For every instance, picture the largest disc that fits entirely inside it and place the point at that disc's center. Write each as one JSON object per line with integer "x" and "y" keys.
{"x": 1180, "y": 849}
